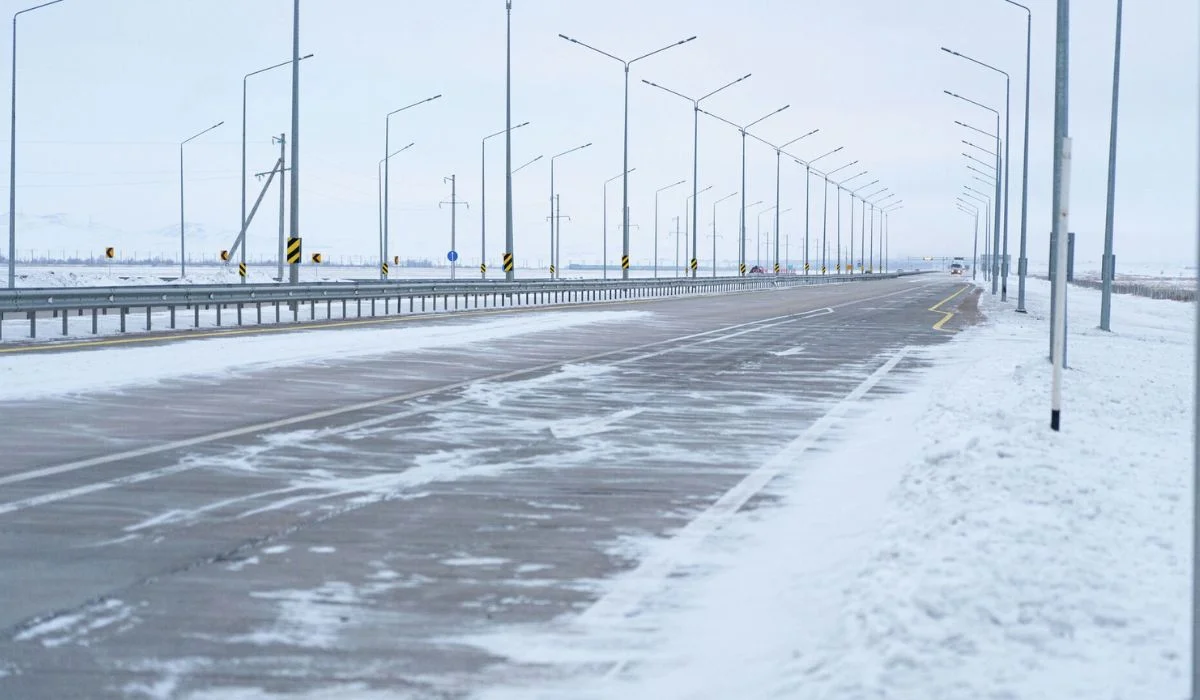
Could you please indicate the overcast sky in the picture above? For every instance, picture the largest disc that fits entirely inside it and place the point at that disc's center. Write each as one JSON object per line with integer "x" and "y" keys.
{"x": 109, "y": 87}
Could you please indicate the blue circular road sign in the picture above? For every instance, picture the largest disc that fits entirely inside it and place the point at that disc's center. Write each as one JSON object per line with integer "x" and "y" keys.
{"x": 452, "y": 256}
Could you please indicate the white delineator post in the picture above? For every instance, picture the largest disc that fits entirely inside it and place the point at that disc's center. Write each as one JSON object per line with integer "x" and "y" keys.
{"x": 1060, "y": 281}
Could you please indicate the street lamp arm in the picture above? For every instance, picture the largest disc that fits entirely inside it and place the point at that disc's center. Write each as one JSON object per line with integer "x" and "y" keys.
{"x": 527, "y": 164}
{"x": 975, "y": 61}
{"x": 724, "y": 198}
{"x": 676, "y": 184}
{"x": 975, "y": 128}
{"x": 277, "y": 65}
{"x": 498, "y": 133}
{"x": 727, "y": 85}
{"x": 427, "y": 99}
{"x": 975, "y": 145}
{"x": 397, "y": 152}
{"x": 766, "y": 117}
{"x": 977, "y": 104}
{"x": 736, "y": 126}
{"x": 825, "y": 155}
{"x": 35, "y": 7}
{"x": 617, "y": 177}
{"x": 667, "y": 89}
{"x": 764, "y": 141}
{"x": 798, "y": 138}
{"x": 860, "y": 189}
{"x": 986, "y": 165}
{"x": 593, "y": 48}
{"x": 972, "y": 189}
{"x": 977, "y": 170}
{"x": 202, "y": 133}
{"x": 681, "y": 42}
{"x": 577, "y": 148}
{"x": 835, "y": 170}
{"x": 852, "y": 177}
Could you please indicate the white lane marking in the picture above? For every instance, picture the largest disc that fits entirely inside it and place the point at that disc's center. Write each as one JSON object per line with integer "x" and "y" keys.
{"x": 591, "y": 426}
{"x": 632, "y": 588}
{"x": 56, "y": 496}
{"x": 789, "y": 352}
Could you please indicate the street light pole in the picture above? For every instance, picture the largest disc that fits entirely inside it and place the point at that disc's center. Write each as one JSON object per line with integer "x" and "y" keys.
{"x": 508, "y": 262}
{"x": 182, "y": 246}
{"x": 379, "y": 171}
{"x": 387, "y": 132}
{"x": 294, "y": 218}
{"x": 714, "y": 230}
{"x": 692, "y": 261}
{"x": 742, "y": 130}
{"x": 483, "y": 198}
{"x": 625, "y": 179}
{"x": 12, "y": 164}
{"x": 1106, "y": 266}
{"x": 864, "y": 239}
{"x": 886, "y": 233}
{"x": 986, "y": 200}
{"x": 974, "y": 211}
{"x": 241, "y": 240}
{"x": 1007, "y": 163}
{"x": 1022, "y": 263}
{"x": 696, "y": 152}
{"x": 825, "y": 217}
{"x": 658, "y": 192}
{"x": 553, "y": 220}
{"x": 838, "y": 193}
{"x": 604, "y": 220}
{"x": 996, "y": 228}
{"x": 778, "y": 160}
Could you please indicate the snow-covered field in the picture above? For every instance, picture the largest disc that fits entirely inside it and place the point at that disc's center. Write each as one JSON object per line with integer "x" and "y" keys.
{"x": 947, "y": 545}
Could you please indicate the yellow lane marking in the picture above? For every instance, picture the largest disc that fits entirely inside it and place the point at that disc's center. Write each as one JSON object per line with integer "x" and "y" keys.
{"x": 946, "y": 315}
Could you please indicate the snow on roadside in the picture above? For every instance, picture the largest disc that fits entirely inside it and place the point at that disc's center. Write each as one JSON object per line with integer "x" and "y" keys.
{"x": 30, "y": 376}
{"x": 950, "y": 546}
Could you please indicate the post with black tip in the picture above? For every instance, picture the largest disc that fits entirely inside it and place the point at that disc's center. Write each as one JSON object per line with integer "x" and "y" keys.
{"x": 1061, "y": 200}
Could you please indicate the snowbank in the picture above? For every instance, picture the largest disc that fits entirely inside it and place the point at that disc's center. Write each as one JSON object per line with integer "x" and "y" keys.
{"x": 949, "y": 546}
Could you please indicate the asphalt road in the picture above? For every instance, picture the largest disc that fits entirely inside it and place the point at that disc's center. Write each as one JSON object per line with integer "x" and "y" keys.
{"x": 352, "y": 524}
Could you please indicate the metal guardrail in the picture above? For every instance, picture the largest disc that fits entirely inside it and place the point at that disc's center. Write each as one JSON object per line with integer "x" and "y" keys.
{"x": 421, "y": 297}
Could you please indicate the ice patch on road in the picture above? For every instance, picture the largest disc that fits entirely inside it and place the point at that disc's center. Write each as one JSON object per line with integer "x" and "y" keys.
{"x": 34, "y": 375}
{"x": 474, "y": 561}
{"x": 76, "y": 628}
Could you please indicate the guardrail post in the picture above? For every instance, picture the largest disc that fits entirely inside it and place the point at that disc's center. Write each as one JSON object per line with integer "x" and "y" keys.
{"x": 219, "y": 314}
{"x": 95, "y": 322}
{"x": 147, "y": 321}
{"x": 372, "y": 307}
{"x": 172, "y": 309}
{"x": 239, "y": 313}
{"x": 124, "y": 311}
{"x": 295, "y": 311}
{"x": 312, "y": 310}
{"x": 64, "y": 317}
{"x": 258, "y": 312}
{"x": 32, "y": 324}
{"x": 196, "y": 310}
{"x": 277, "y": 316}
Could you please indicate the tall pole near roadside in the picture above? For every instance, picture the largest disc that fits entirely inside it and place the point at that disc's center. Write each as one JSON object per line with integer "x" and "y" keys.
{"x": 696, "y": 151}
{"x": 1106, "y": 267}
{"x": 509, "y": 263}
{"x": 12, "y": 164}
{"x": 1062, "y": 160}
{"x": 294, "y": 273}
{"x": 626, "y": 168}
{"x": 182, "y": 224}
{"x": 1022, "y": 262}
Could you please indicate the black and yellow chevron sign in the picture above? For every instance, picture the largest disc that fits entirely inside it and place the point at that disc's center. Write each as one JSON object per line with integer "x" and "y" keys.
{"x": 483, "y": 268}
{"x": 806, "y": 268}
{"x": 624, "y": 262}
{"x": 293, "y": 251}
{"x": 823, "y": 269}
{"x": 742, "y": 268}
{"x": 384, "y": 269}
{"x": 551, "y": 270}
{"x": 777, "y": 268}
{"x": 317, "y": 258}
{"x": 695, "y": 264}
{"x": 508, "y": 262}
{"x": 241, "y": 269}
{"x": 225, "y": 256}
{"x": 110, "y": 253}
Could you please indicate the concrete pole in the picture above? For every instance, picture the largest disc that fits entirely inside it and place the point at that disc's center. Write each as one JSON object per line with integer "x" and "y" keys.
{"x": 1062, "y": 160}
{"x": 1107, "y": 268}
{"x": 294, "y": 276}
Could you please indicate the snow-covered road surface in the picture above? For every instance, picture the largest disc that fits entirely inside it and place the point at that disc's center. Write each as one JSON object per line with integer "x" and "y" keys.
{"x": 950, "y": 546}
